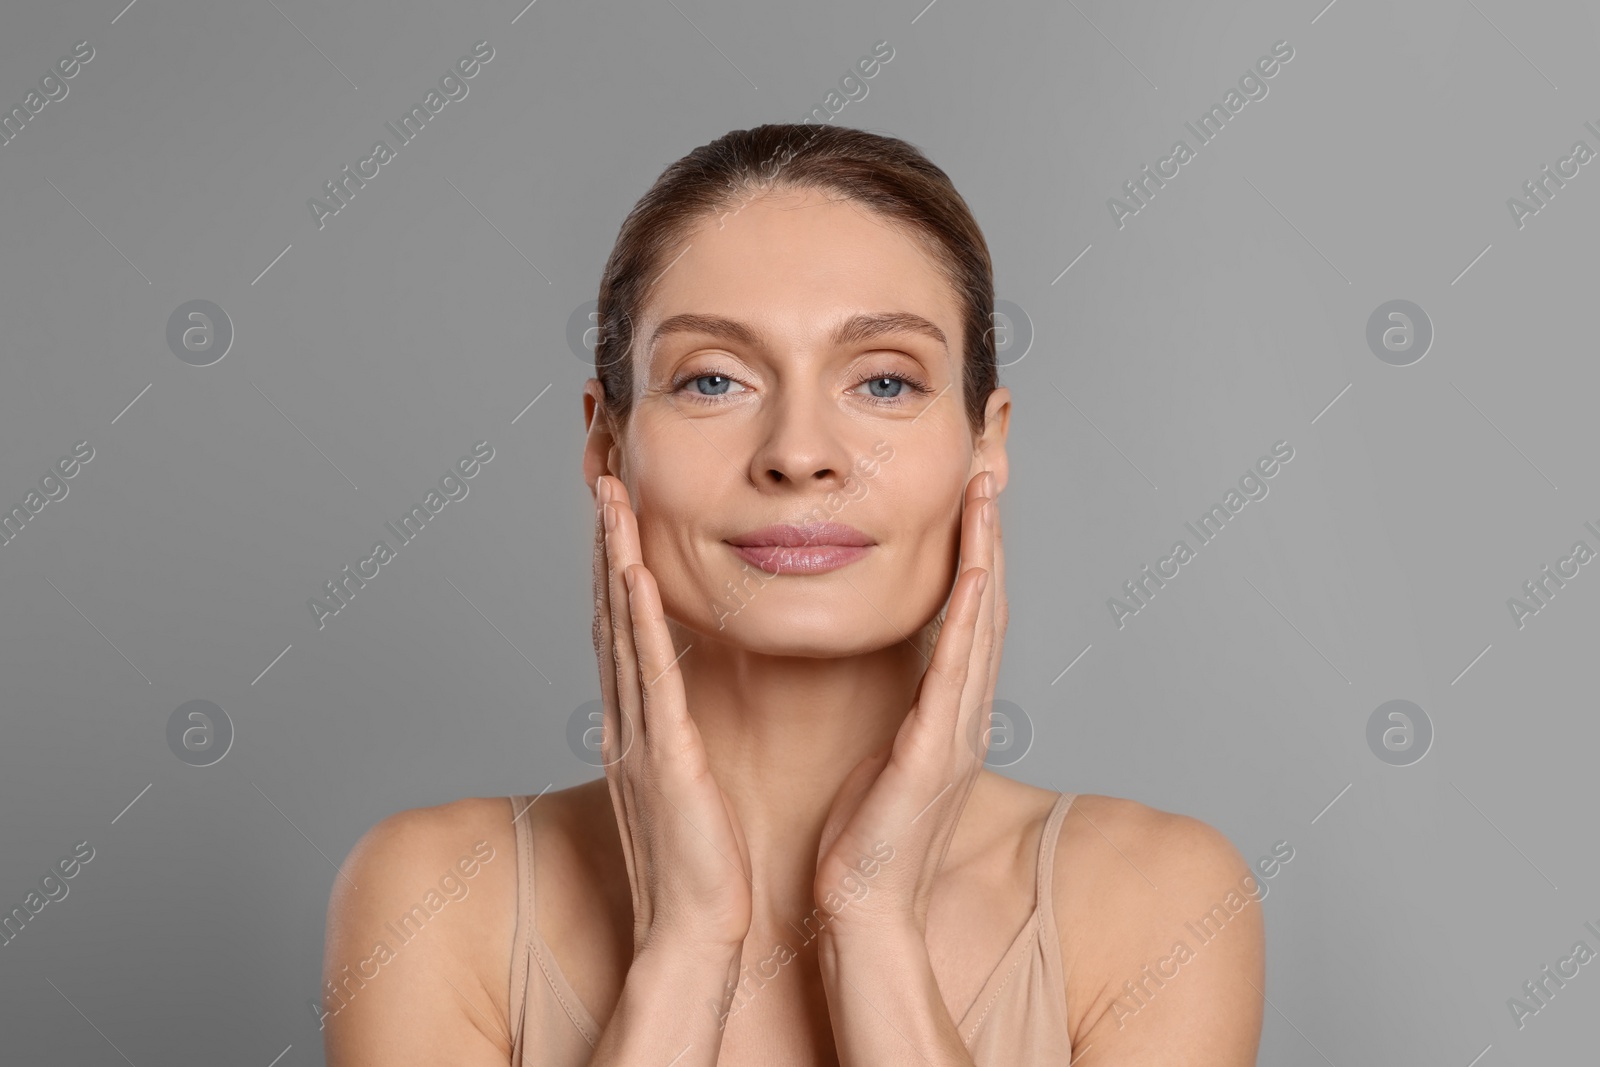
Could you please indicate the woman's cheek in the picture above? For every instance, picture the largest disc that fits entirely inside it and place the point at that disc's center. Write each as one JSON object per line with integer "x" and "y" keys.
{"x": 676, "y": 571}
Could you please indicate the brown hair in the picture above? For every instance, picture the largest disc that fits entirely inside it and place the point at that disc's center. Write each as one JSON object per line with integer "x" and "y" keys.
{"x": 883, "y": 173}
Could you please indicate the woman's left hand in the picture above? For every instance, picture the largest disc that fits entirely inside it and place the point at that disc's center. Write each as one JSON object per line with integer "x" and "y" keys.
{"x": 891, "y": 823}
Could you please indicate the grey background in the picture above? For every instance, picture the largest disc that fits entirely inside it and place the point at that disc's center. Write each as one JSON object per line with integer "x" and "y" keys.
{"x": 1225, "y": 316}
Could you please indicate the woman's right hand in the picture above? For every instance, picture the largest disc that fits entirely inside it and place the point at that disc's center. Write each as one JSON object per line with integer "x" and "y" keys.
{"x": 687, "y": 860}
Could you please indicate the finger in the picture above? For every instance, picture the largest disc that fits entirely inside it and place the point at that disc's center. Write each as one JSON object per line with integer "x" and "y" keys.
{"x": 619, "y": 554}
{"x": 939, "y": 696}
{"x": 604, "y": 636}
{"x": 738, "y": 837}
{"x": 1002, "y": 610}
{"x": 987, "y": 644}
{"x": 665, "y": 708}
{"x": 613, "y": 742}
{"x": 978, "y": 551}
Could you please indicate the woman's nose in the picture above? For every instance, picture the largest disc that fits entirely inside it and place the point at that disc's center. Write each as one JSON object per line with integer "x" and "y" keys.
{"x": 802, "y": 441}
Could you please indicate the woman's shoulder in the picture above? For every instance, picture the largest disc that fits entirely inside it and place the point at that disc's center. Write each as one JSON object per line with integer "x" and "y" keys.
{"x": 478, "y": 839}
{"x": 1100, "y": 829}
{"x": 420, "y": 923}
{"x": 449, "y": 853}
{"x": 1128, "y": 882}
{"x": 472, "y": 833}
{"x": 439, "y": 884}
{"x": 414, "y": 840}
{"x": 1116, "y": 845}
{"x": 1087, "y": 814}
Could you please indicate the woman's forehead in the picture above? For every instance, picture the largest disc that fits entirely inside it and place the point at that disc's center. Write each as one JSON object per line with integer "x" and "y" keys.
{"x": 850, "y": 328}
{"x": 828, "y": 270}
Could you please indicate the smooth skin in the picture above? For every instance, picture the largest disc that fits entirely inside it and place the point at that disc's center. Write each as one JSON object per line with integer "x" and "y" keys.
{"x": 758, "y": 748}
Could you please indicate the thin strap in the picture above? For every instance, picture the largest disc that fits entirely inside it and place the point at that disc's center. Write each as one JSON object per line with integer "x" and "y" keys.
{"x": 520, "y": 943}
{"x": 1047, "y": 851}
{"x": 529, "y": 945}
{"x": 1055, "y": 978}
{"x": 1039, "y": 932}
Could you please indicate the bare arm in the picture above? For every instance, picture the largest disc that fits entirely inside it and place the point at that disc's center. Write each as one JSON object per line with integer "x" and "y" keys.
{"x": 885, "y": 1002}
{"x": 671, "y": 1011}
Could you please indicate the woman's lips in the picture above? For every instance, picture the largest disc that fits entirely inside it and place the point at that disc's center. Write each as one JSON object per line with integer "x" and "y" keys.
{"x": 809, "y": 549}
{"x": 812, "y": 559}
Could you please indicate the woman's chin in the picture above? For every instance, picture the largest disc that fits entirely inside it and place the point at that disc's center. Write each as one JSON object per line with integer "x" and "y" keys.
{"x": 822, "y": 635}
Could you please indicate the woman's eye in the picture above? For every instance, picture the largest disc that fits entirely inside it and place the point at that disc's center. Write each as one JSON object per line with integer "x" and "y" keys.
{"x": 710, "y": 384}
{"x": 882, "y": 388}
{"x": 893, "y": 388}
{"x": 886, "y": 387}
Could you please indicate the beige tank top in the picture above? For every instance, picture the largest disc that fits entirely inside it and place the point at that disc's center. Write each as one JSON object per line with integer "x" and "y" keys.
{"x": 1018, "y": 1018}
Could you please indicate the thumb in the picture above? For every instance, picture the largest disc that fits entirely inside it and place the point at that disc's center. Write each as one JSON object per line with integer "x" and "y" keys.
{"x": 848, "y": 799}
{"x": 738, "y": 833}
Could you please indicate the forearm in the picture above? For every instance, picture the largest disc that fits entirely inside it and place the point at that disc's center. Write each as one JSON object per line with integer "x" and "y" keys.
{"x": 672, "y": 1010}
{"x": 885, "y": 1002}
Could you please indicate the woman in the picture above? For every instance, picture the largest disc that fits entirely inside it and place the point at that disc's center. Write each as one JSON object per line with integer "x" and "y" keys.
{"x": 796, "y": 440}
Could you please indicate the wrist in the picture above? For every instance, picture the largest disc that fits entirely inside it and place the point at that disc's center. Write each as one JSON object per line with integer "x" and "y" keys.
{"x": 675, "y": 997}
{"x": 874, "y": 947}
{"x": 676, "y": 957}
{"x": 698, "y": 975}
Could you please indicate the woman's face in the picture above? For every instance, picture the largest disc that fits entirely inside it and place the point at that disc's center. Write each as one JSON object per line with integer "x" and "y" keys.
{"x": 799, "y": 363}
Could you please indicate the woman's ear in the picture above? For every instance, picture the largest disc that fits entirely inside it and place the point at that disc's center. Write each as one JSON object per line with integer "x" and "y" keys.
{"x": 598, "y": 447}
{"x": 991, "y": 453}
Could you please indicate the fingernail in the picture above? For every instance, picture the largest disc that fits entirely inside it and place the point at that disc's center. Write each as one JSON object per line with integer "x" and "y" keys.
{"x": 603, "y": 490}
{"x": 989, "y": 484}
{"x": 627, "y": 577}
{"x": 988, "y": 512}
{"x": 611, "y": 518}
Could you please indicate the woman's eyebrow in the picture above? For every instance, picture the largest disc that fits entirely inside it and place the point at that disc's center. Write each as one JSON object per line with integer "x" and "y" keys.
{"x": 857, "y": 328}
{"x": 865, "y": 327}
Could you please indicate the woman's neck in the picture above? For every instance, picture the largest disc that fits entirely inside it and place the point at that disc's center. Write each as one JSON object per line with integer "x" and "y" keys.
{"x": 781, "y": 735}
